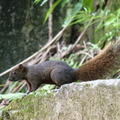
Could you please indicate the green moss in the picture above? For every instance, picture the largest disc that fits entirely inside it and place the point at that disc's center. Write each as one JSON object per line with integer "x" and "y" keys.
{"x": 86, "y": 87}
{"x": 30, "y": 106}
{"x": 72, "y": 104}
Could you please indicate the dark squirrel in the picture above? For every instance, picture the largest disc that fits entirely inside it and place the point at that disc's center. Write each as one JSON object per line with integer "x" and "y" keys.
{"x": 57, "y": 72}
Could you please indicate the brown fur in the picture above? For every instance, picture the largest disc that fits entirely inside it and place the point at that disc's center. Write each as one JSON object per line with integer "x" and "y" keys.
{"x": 103, "y": 65}
{"x": 57, "y": 72}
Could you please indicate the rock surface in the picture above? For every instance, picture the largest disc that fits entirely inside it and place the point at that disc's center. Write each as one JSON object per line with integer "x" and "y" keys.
{"x": 95, "y": 100}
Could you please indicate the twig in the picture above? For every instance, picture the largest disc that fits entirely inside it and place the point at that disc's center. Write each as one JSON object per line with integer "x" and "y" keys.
{"x": 39, "y": 58}
{"x": 45, "y": 54}
{"x": 18, "y": 87}
{"x": 66, "y": 52}
{"x": 50, "y": 22}
{"x": 77, "y": 41}
{"x": 5, "y": 86}
{"x": 81, "y": 35}
{"x": 23, "y": 85}
{"x": 83, "y": 59}
{"x": 58, "y": 50}
{"x": 86, "y": 53}
{"x": 55, "y": 39}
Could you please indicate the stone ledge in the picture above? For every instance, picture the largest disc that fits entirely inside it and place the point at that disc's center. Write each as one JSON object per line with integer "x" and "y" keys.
{"x": 94, "y": 100}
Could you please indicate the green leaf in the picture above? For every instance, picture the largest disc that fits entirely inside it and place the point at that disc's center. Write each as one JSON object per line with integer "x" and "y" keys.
{"x": 11, "y": 96}
{"x": 64, "y": 2}
{"x": 88, "y": 4}
{"x": 69, "y": 18}
{"x": 51, "y": 9}
{"x": 37, "y": 1}
{"x": 110, "y": 21}
{"x": 48, "y": 87}
{"x": 44, "y": 1}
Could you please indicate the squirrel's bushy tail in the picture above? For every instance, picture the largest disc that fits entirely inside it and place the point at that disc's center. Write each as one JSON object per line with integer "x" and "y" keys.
{"x": 103, "y": 65}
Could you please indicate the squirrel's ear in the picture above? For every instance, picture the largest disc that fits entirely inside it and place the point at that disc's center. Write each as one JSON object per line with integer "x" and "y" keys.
{"x": 22, "y": 67}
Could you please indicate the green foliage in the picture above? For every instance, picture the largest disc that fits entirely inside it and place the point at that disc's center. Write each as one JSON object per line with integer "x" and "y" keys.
{"x": 48, "y": 87}
{"x": 111, "y": 22}
{"x": 11, "y": 96}
{"x": 51, "y": 9}
{"x": 83, "y": 11}
{"x": 71, "y": 60}
{"x": 88, "y": 4}
{"x": 75, "y": 9}
{"x": 73, "y": 13}
{"x": 64, "y": 2}
{"x": 37, "y": 1}
{"x": 12, "y": 86}
{"x": 43, "y": 2}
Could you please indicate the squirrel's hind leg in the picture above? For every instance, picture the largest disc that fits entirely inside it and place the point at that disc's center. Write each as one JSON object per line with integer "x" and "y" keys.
{"x": 61, "y": 76}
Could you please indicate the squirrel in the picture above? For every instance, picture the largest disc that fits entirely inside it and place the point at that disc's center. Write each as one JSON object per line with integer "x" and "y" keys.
{"x": 58, "y": 72}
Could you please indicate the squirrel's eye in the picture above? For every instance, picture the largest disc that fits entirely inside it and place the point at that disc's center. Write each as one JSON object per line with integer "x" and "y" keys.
{"x": 14, "y": 72}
